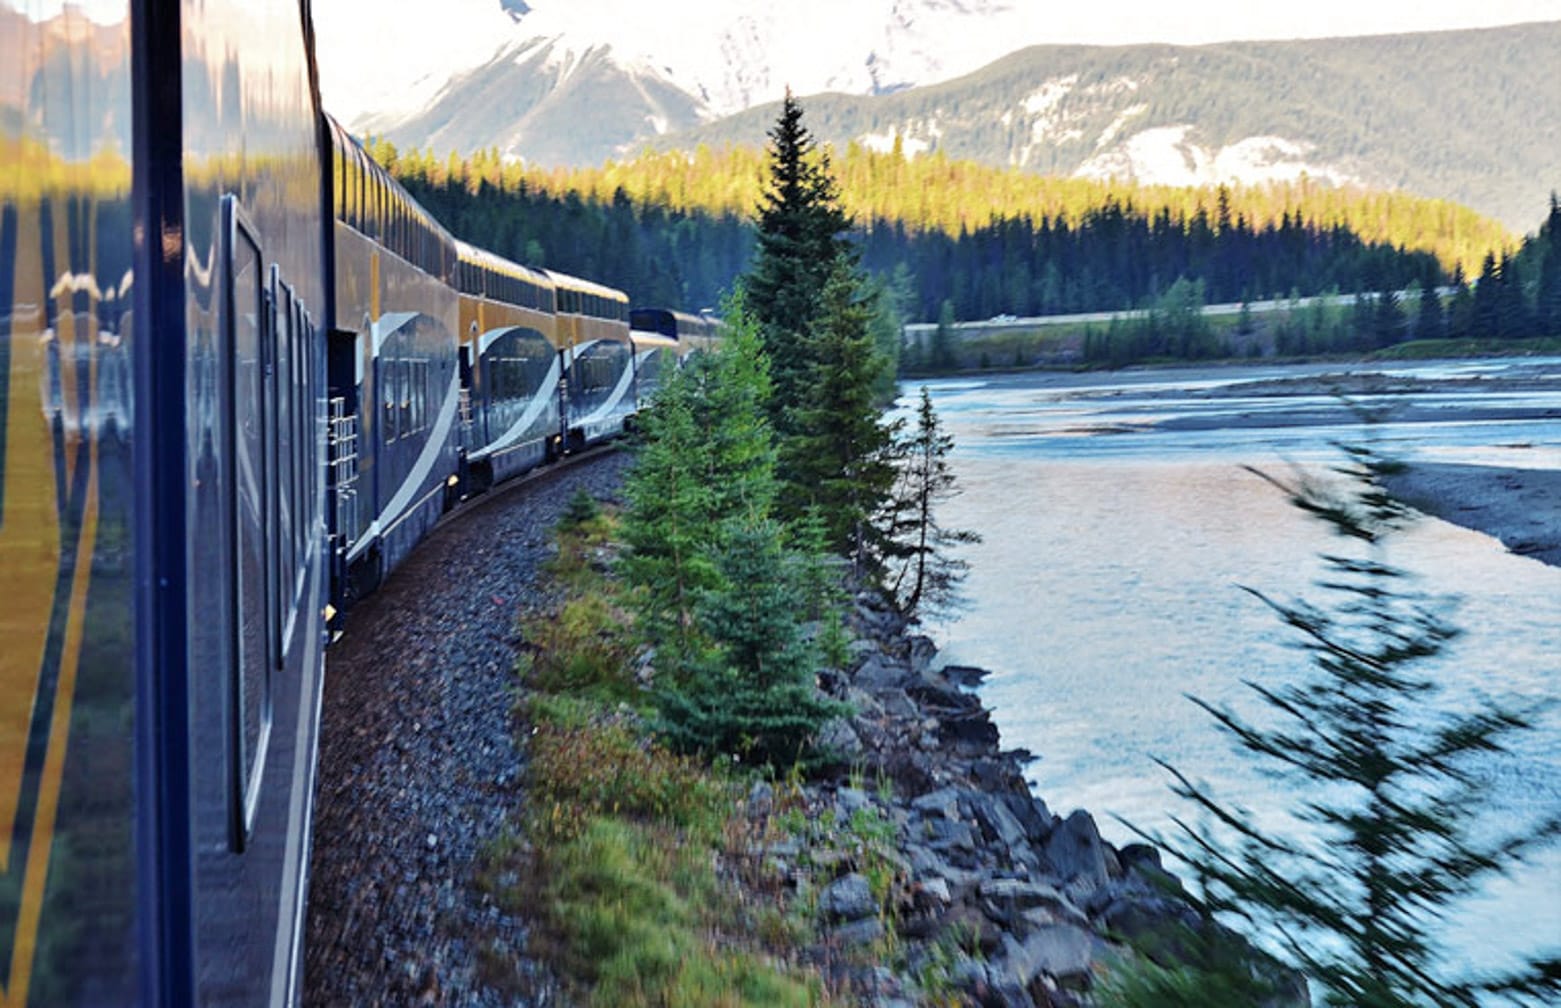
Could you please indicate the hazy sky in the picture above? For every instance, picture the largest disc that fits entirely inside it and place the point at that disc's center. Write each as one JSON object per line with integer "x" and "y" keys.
{"x": 1103, "y": 22}
{"x": 1110, "y": 22}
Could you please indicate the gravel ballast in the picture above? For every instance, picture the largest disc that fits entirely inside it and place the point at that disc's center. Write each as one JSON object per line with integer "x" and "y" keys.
{"x": 418, "y": 763}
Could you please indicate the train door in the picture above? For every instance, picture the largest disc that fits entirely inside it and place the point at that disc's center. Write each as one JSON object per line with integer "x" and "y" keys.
{"x": 251, "y": 375}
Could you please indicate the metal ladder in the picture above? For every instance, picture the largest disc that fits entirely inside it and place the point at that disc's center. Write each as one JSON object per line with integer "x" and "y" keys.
{"x": 344, "y": 470}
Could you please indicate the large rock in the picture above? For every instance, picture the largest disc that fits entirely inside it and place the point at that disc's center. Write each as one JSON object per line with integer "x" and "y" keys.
{"x": 839, "y": 739}
{"x": 1001, "y": 825}
{"x": 880, "y": 672}
{"x": 848, "y": 898}
{"x": 1076, "y": 853}
{"x": 1062, "y": 951}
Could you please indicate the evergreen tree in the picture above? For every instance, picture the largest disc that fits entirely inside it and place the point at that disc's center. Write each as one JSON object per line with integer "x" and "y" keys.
{"x": 925, "y": 577}
{"x": 706, "y": 460}
{"x": 941, "y": 357}
{"x": 669, "y": 524}
{"x": 752, "y": 694}
{"x": 1387, "y": 320}
{"x": 800, "y": 238}
{"x": 1356, "y": 907}
{"x": 1428, "y": 316}
{"x": 839, "y": 462}
{"x": 1547, "y": 311}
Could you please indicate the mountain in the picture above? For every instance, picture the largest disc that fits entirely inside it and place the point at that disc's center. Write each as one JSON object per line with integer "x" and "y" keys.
{"x": 1469, "y": 116}
{"x": 1464, "y": 115}
{"x": 454, "y": 87}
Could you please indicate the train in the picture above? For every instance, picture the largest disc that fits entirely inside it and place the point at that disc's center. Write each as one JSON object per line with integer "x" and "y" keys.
{"x": 242, "y": 374}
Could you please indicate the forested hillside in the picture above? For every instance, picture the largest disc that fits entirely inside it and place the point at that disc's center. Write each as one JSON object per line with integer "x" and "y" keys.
{"x": 673, "y": 229}
{"x": 1465, "y": 115}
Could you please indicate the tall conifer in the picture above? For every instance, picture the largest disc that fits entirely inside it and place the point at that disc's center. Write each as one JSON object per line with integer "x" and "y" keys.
{"x": 801, "y": 235}
{"x": 838, "y": 461}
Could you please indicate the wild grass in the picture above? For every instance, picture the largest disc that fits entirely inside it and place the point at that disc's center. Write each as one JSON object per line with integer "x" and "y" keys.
{"x": 635, "y": 865}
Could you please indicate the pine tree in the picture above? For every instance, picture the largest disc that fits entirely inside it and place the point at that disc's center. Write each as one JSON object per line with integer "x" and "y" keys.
{"x": 1428, "y": 317}
{"x": 925, "y": 577}
{"x": 942, "y": 356}
{"x": 800, "y": 238}
{"x": 706, "y": 461}
{"x": 1548, "y": 300}
{"x": 1357, "y": 906}
{"x": 839, "y": 462}
{"x": 752, "y": 694}
{"x": 669, "y": 524}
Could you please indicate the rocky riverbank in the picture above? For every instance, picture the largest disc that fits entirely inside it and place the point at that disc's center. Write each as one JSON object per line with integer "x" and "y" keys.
{"x": 1040, "y": 906}
{"x": 925, "y": 869}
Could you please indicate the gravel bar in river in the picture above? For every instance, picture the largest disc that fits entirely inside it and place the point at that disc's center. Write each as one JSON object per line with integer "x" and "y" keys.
{"x": 418, "y": 763}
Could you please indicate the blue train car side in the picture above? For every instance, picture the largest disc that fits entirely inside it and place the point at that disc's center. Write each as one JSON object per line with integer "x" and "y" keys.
{"x": 161, "y": 397}
{"x": 242, "y": 374}
{"x": 513, "y": 372}
{"x": 593, "y": 336}
{"x": 392, "y": 367}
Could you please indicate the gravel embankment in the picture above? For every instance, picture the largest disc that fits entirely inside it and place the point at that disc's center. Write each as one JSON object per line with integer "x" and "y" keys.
{"x": 418, "y": 763}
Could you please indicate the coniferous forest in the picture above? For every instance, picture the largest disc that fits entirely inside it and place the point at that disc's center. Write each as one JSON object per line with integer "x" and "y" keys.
{"x": 676, "y": 229}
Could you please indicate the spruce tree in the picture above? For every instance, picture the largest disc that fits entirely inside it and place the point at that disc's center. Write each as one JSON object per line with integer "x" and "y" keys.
{"x": 1428, "y": 318}
{"x": 801, "y": 230}
{"x": 670, "y": 522}
{"x": 838, "y": 462}
{"x": 924, "y": 575}
{"x": 1394, "y": 799}
{"x": 1548, "y": 301}
{"x": 752, "y": 694}
{"x": 706, "y": 460}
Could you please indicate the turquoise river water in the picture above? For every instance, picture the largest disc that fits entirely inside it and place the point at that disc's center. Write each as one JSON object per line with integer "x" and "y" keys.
{"x": 1118, "y": 525}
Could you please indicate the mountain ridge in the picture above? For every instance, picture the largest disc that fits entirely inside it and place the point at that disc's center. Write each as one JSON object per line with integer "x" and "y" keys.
{"x": 1466, "y": 115}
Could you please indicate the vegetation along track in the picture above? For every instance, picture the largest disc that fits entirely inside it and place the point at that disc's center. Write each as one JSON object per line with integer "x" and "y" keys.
{"x": 418, "y": 763}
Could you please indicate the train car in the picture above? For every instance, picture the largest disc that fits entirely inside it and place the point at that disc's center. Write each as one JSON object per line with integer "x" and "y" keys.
{"x": 162, "y": 378}
{"x": 511, "y": 368}
{"x": 395, "y": 388}
{"x": 693, "y": 333}
{"x": 654, "y": 355}
{"x": 593, "y": 334}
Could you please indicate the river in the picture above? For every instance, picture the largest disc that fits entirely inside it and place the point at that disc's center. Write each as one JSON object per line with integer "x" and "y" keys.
{"x": 1119, "y": 524}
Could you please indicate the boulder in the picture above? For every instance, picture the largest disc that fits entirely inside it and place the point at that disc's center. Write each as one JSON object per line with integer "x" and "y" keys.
{"x": 943, "y": 803}
{"x": 848, "y": 898}
{"x": 839, "y": 739}
{"x": 1076, "y": 854}
{"x": 1006, "y": 901}
{"x": 858, "y": 932}
{"x": 1062, "y": 951}
{"x": 1000, "y": 824}
{"x": 880, "y": 672}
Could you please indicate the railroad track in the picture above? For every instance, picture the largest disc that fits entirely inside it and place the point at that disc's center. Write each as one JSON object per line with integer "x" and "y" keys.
{"x": 418, "y": 764}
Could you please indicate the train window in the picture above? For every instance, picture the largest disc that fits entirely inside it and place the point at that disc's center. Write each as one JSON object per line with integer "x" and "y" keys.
{"x": 298, "y": 392}
{"x": 419, "y": 390}
{"x": 387, "y": 385}
{"x": 281, "y": 398}
{"x": 405, "y": 392}
{"x": 250, "y": 352}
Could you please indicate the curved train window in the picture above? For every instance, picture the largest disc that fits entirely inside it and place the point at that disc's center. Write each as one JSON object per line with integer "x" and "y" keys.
{"x": 249, "y": 337}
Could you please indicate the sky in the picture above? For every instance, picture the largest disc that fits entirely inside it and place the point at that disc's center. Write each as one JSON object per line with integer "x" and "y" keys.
{"x": 385, "y": 55}
{"x": 1099, "y": 22}
{"x": 1193, "y": 22}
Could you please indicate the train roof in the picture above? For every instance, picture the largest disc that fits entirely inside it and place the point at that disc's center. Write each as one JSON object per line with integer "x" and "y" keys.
{"x": 495, "y": 263}
{"x": 566, "y": 282}
{"x": 378, "y": 209}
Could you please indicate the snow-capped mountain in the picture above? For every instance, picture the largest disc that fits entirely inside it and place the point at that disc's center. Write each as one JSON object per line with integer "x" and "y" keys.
{"x": 1464, "y": 115}
{"x": 726, "y": 55}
